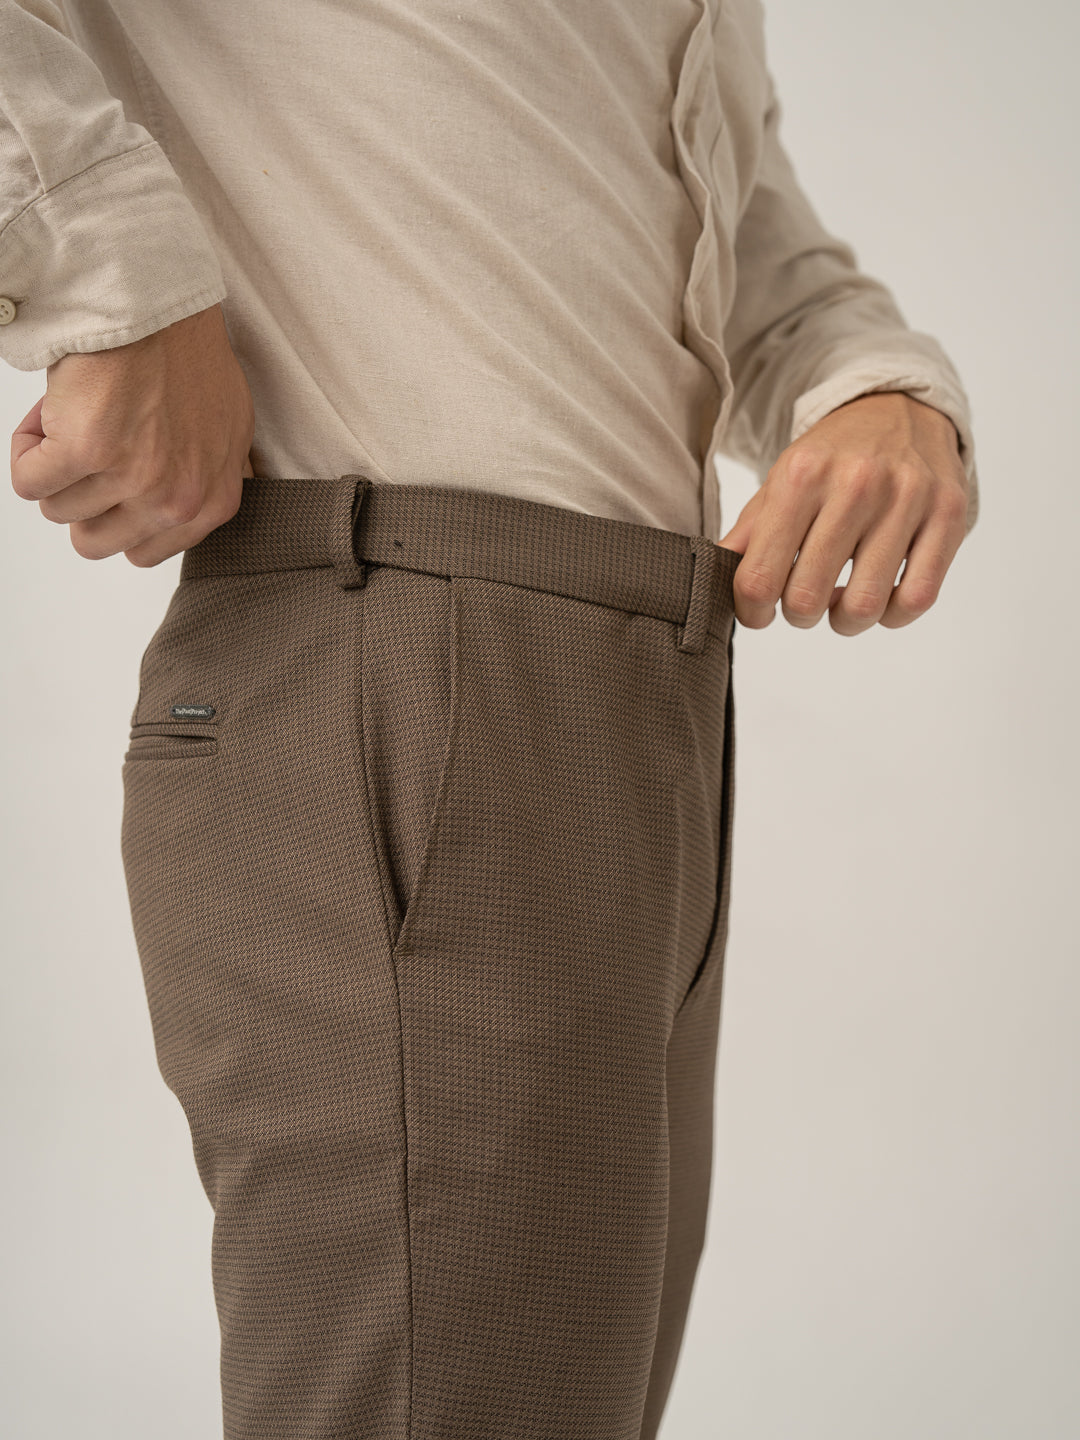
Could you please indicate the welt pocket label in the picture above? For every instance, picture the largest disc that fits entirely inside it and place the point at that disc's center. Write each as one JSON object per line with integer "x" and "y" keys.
{"x": 192, "y": 712}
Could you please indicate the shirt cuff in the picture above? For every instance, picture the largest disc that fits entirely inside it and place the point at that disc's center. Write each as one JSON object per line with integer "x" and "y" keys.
{"x": 104, "y": 259}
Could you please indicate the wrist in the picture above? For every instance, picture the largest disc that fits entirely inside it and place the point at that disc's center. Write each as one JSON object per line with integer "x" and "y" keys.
{"x": 927, "y": 414}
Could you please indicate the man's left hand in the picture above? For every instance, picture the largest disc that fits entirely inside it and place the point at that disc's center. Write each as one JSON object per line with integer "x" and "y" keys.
{"x": 875, "y": 481}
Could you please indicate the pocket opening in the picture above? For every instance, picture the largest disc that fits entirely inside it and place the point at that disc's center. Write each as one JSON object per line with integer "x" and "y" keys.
{"x": 406, "y": 758}
{"x": 164, "y": 741}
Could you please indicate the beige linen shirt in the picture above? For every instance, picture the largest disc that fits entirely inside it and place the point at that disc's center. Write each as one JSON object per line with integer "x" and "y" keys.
{"x": 553, "y": 249}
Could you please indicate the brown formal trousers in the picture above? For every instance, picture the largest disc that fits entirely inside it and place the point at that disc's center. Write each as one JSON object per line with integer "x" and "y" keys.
{"x": 427, "y": 837}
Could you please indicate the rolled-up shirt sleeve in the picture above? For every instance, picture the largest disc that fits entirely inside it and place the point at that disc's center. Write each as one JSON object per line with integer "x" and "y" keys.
{"x": 99, "y": 245}
{"x": 808, "y": 331}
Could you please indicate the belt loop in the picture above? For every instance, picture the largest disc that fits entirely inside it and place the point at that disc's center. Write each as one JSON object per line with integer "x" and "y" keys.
{"x": 695, "y": 632}
{"x": 344, "y": 513}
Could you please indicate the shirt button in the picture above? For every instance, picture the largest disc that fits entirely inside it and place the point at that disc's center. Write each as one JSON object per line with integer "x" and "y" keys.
{"x": 7, "y": 310}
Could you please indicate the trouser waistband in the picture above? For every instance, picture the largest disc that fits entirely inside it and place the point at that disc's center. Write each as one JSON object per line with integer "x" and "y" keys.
{"x": 352, "y": 522}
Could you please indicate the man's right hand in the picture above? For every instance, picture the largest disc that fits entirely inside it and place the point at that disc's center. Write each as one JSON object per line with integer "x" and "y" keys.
{"x": 142, "y": 449}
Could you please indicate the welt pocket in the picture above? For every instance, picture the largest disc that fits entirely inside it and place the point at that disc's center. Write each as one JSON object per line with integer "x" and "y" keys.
{"x": 167, "y": 740}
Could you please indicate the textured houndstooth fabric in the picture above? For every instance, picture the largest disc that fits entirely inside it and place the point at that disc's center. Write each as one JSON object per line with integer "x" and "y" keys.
{"x": 427, "y": 830}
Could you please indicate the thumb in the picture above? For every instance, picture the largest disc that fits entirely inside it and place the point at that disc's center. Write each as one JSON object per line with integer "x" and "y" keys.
{"x": 41, "y": 464}
{"x": 738, "y": 537}
{"x": 28, "y": 433}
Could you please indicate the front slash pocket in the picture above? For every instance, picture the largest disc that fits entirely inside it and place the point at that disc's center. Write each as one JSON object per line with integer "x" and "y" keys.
{"x": 711, "y": 961}
{"x": 409, "y": 722}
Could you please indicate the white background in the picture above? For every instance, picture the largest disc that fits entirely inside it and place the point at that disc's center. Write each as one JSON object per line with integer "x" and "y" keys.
{"x": 892, "y": 1245}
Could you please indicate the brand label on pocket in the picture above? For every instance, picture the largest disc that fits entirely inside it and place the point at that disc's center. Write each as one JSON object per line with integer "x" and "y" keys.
{"x": 192, "y": 712}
